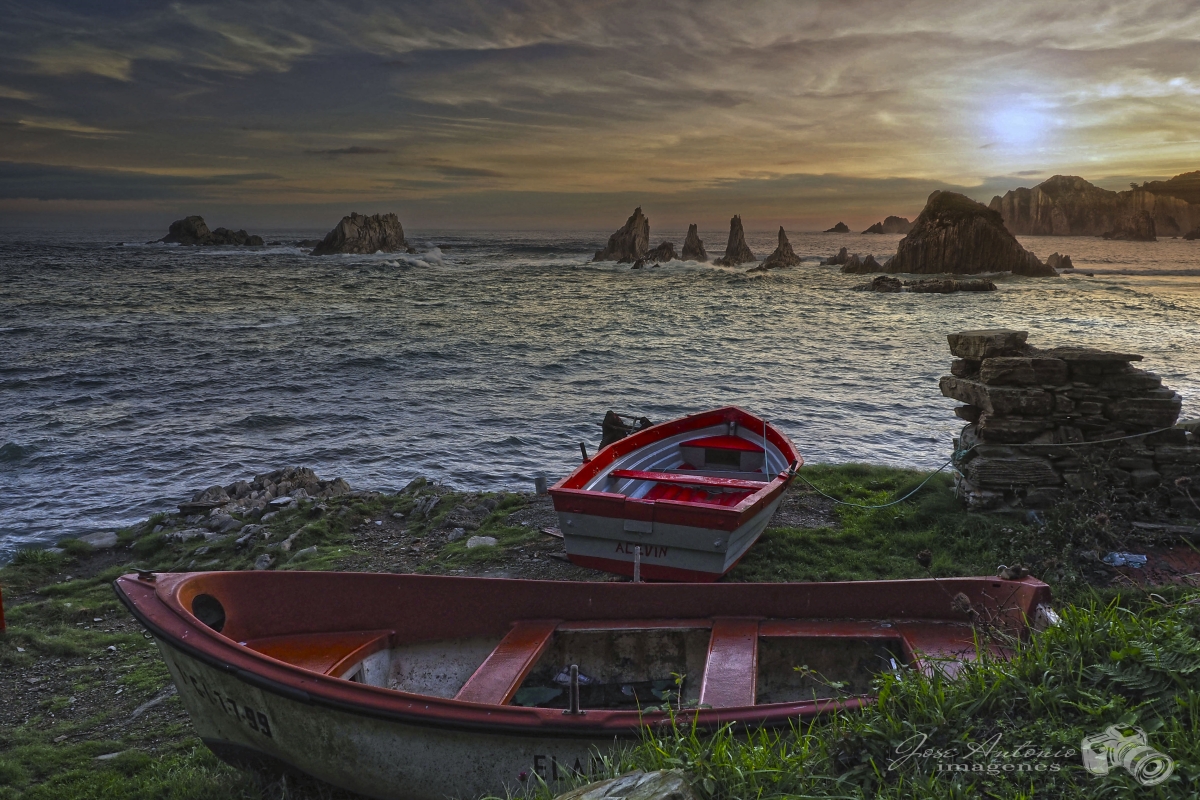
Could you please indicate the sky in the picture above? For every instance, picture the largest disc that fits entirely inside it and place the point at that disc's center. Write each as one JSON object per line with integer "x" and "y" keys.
{"x": 546, "y": 115}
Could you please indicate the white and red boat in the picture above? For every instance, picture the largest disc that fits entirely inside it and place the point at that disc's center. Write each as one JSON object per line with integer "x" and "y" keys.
{"x": 424, "y": 687}
{"x": 685, "y": 498}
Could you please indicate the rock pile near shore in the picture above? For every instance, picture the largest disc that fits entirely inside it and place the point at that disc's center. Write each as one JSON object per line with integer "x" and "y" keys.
{"x": 361, "y": 234}
{"x": 1043, "y": 423}
{"x": 278, "y": 488}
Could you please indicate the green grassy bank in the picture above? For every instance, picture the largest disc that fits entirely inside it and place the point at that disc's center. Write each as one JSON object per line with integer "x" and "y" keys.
{"x": 91, "y": 713}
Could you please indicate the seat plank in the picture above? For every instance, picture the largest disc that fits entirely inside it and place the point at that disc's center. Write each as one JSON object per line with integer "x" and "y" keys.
{"x": 731, "y": 673}
{"x": 724, "y": 442}
{"x": 326, "y": 653}
{"x": 679, "y": 479}
{"x": 497, "y": 679}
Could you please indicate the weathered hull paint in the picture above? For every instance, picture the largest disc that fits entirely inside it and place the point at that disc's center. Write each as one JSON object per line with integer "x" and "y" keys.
{"x": 378, "y": 758}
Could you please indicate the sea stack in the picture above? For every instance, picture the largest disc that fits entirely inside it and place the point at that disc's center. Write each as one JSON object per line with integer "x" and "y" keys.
{"x": 736, "y": 251}
{"x": 841, "y": 227}
{"x": 784, "y": 255}
{"x": 192, "y": 231}
{"x": 955, "y": 234}
{"x": 630, "y": 243}
{"x": 361, "y": 234}
{"x": 891, "y": 225}
{"x": 693, "y": 248}
{"x": 662, "y": 254}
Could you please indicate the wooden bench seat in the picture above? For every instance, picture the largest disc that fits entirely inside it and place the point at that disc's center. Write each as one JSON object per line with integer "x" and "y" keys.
{"x": 724, "y": 442}
{"x": 731, "y": 671}
{"x": 497, "y": 679}
{"x": 326, "y": 653}
{"x": 681, "y": 479}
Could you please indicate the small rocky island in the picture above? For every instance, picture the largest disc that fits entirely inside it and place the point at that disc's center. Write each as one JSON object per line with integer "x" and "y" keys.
{"x": 891, "y": 225}
{"x": 361, "y": 234}
{"x": 736, "y": 250}
{"x": 193, "y": 232}
{"x": 841, "y": 227}
{"x": 629, "y": 243}
{"x": 956, "y": 235}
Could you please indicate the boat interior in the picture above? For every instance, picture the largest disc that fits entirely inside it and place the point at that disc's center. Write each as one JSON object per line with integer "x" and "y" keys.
{"x": 720, "y": 465}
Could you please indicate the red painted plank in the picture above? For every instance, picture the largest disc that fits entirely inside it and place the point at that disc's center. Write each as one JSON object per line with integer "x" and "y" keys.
{"x": 724, "y": 443}
{"x": 687, "y": 480}
{"x": 732, "y": 669}
{"x": 497, "y": 679}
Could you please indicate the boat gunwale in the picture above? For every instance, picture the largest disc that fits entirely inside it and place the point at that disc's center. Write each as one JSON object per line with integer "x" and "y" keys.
{"x": 170, "y": 623}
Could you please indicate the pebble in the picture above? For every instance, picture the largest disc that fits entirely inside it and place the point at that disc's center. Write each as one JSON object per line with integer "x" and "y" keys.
{"x": 107, "y": 757}
{"x": 112, "y": 648}
{"x": 268, "y": 517}
{"x": 378, "y": 522}
{"x": 457, "y": 534}
{"x": 97, "y": 619}
{"x": 20, "y": 649}
{"x": 481, "y": 541}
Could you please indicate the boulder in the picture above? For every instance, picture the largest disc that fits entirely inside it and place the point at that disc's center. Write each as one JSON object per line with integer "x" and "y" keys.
{"x": 881, "y": 283}
{"x": 361, "y": 234}
{"x": 955, "y": 234}
{"x": 736, "y": 251}
{"x": 841, "y": 227}
{"x": 1059, "y": 262}
{"x": 662, "y": 254}
{"x": 192, "y": 231}
{"x": 100, "y": 541}
{"x": 1137, "y": 226}
{"x": 978, "y": 345}
{"x": 1193, "y": 234}
{"x": 891, "y": 225}
{"x": 783, "y": 255}
{"x": 693, "y": 248}
{"x": 637, "y": 785}
{"x": 630, "y": 243}
{"x": 949, "y": 286}
{"x": 841, "y": 258}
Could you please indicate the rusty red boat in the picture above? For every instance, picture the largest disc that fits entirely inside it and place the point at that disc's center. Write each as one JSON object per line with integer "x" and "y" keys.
{"x": 427, "y": 687}
{"x": 684, "y": 499}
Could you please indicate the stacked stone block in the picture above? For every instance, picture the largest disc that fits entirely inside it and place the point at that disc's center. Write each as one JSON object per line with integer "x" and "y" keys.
{"x": 1040, "y": 421}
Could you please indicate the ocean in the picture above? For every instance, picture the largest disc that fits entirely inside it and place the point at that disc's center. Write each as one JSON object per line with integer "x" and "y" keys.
{"x": 132, "y": 376}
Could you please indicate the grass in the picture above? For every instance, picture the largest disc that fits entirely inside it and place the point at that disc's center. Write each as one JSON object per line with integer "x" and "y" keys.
{"x": 1117, "y": 658}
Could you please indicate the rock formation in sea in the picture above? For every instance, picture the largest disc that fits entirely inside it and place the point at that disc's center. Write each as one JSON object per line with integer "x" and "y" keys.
{"x": 662, "y": 254}
{"x": 1136, "y": 226}
{"x": 193, "y": 232}
{"x": 783, "y": 255}
{"x": 889, "y": 284}
{"x": 841, "y": 227}
{"x": 891, "y": 225}
{"x": 955, "y": 234}
{"x": 359, "y": 233}
{"x": 862, "y": 266}
{"x": 1193, "y": 234}
{"x": 693, "y": 248}
{"x": 1060, "y": 262}
{"x": 736, "y": 251}
{"x": 841, "y": 258}
{"x": 629, "y": 243}
{"x": 1067, "y": 205}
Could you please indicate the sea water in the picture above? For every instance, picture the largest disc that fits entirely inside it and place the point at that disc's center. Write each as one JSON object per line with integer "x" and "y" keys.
{"x": 133, "y": 375}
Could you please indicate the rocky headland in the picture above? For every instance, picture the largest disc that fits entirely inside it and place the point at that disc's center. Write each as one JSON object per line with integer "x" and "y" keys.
{"x": 736, "y": 250}
{"x": 693, "y": 247}
{"x": 630, "y": 243}
{"x": 193, "y": 232}
{"x": 1067, "y": 205}
{"x": 956, "y": 235}
{"x": 361, "y": 234}
{"x": 841, "y": 227}
{"x": 891, "y": 225}
{"x": 782, "y": 256}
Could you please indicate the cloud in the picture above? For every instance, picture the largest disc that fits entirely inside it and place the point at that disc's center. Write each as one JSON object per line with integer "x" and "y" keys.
{"x": 9, "y": 93}
{"x": 65, "y": 126}
{"x": 354, "y": 150}
{"x": 52, "y": 182}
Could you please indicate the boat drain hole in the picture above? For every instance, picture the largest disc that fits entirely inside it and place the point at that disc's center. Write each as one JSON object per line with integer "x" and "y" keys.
{"x": 209, "y": 610}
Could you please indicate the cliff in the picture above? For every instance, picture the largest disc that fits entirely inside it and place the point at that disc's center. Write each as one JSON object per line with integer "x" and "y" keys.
{"x": 891, "y": 225}
{"x": 629, "y": 243}
{"x": 957, "y": 235}
{"x": 1067, "y": 205}
{"x": 361, "y": 234}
